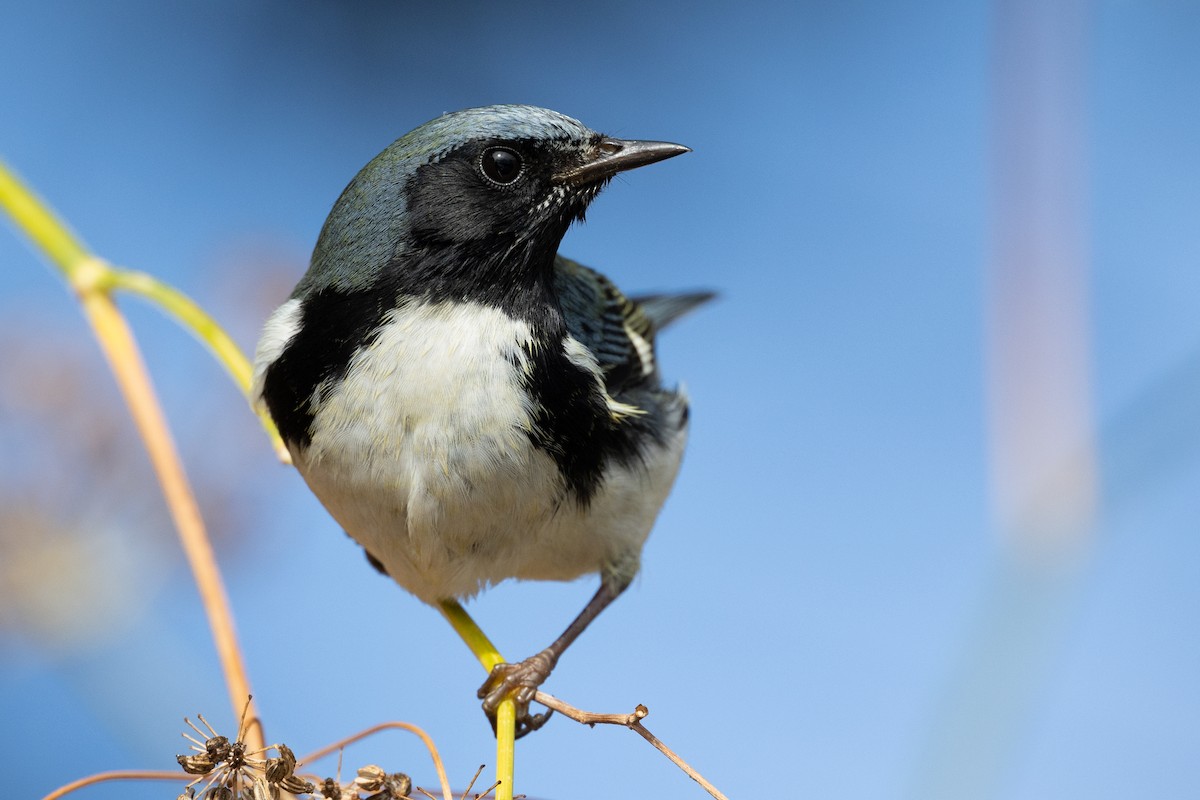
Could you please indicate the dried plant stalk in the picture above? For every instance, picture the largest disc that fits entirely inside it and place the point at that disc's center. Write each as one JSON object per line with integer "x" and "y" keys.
{"x": 634, "y": 723}
{"x": 116, "y": 775}
{"x": 374, "y": 729}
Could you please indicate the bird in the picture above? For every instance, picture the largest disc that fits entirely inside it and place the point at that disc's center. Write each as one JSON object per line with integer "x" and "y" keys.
{"x": 469, "y": 405}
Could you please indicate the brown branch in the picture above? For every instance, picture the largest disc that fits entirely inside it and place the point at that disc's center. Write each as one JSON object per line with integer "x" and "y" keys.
{"x": 349, "y": 740}
{"x": 633, "y": 722}
{"x": 116, "y": 775}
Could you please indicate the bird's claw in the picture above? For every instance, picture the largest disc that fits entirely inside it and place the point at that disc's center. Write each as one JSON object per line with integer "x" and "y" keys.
{"x": 520, "y": 683}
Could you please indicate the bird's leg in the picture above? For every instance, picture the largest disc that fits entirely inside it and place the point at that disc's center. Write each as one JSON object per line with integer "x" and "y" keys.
{"x": 520, "y": 681}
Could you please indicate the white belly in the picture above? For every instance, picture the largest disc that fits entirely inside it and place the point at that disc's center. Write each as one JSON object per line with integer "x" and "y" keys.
{"x": 423, "y": 455}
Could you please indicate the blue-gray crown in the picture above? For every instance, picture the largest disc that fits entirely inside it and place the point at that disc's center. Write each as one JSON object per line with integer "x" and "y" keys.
{"x": 369, "y": 220}
{"x": 514, "y": 122}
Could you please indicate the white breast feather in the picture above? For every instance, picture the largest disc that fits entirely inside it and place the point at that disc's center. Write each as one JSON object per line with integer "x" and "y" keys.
{"x": 422, "y": 454}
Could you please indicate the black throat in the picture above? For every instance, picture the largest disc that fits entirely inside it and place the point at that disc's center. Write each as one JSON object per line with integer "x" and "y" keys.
{"x": 336, "y": 322}
{"x": 514, "y": 275}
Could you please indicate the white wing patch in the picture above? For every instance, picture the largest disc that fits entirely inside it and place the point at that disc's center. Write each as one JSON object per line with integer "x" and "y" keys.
{"x": 644, "y": 350}
{"x": 584, "y": 358}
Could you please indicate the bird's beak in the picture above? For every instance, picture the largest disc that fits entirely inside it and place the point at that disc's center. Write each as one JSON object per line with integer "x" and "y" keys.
{"x": 617, "y": 155}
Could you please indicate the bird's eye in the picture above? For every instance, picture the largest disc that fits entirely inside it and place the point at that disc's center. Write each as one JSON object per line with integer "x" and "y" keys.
{"x": 501, "y": 165}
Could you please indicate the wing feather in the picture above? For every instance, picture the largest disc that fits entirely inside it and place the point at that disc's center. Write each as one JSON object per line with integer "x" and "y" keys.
{"x": 618, "y": 330}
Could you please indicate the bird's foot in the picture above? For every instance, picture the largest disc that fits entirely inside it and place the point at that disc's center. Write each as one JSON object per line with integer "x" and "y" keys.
{"x": 520, "y": 682}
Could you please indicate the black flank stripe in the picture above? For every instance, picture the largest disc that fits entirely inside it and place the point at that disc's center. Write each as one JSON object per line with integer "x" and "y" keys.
{"x": 572, "y": 423}
{"x": 333, "y": 326}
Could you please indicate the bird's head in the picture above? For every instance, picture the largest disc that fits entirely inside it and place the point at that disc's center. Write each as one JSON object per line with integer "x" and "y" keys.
{"x": 481, "y": 195}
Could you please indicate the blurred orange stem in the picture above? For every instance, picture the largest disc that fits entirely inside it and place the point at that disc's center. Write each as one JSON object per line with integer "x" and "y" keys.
{"x": 120, "y": 349}
{"x": 92, "y": 280}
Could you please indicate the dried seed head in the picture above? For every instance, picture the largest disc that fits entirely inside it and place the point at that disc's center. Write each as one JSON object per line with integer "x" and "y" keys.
{"x": 237, "y": 755}
{"x": 261, "y": 790}
{"x": 217, "y": 747}
{"x": 282, "y": 767}
{"x": 330, "y": 789}
{"x": 297, "y": 785}
{"x": 219, "y": 792}
{"x": 400, "y": 784}
{"x": 370, "y": 778}
{"x": 392, "y": 787}
{"x": 200, "y": 764}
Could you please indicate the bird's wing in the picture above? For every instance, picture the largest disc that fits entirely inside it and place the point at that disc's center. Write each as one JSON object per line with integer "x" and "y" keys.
{"x": 618, "y": 330}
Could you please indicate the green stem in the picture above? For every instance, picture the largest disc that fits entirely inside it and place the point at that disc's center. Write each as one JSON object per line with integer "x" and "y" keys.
{"x": 192, "y": 317}
{"x": 195, "y": 319}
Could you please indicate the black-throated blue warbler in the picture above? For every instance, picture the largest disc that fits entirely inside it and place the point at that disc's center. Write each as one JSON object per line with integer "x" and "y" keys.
{"x": 469, "y": 405}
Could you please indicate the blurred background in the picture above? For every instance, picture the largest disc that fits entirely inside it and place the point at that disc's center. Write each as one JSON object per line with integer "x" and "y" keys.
{"x": 935, "y": 535}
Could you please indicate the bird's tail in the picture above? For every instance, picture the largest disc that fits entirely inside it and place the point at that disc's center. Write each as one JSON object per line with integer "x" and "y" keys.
{"x": 663, "y": 309}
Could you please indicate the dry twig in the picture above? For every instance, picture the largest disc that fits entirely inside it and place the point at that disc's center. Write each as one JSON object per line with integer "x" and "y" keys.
{"x": 633, "y": 722}
{"x": 116, "y": 775}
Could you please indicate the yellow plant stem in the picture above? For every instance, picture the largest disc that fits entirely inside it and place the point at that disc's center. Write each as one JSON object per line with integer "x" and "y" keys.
{"x": 506, "y": 715}
{"x": 193, "y": 318}
{"x": 36, "y": 222}
{"x": 91, "y": 279}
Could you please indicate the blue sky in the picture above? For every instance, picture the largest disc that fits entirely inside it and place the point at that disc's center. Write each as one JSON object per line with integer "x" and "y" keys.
{"x": 828, "y": 605}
